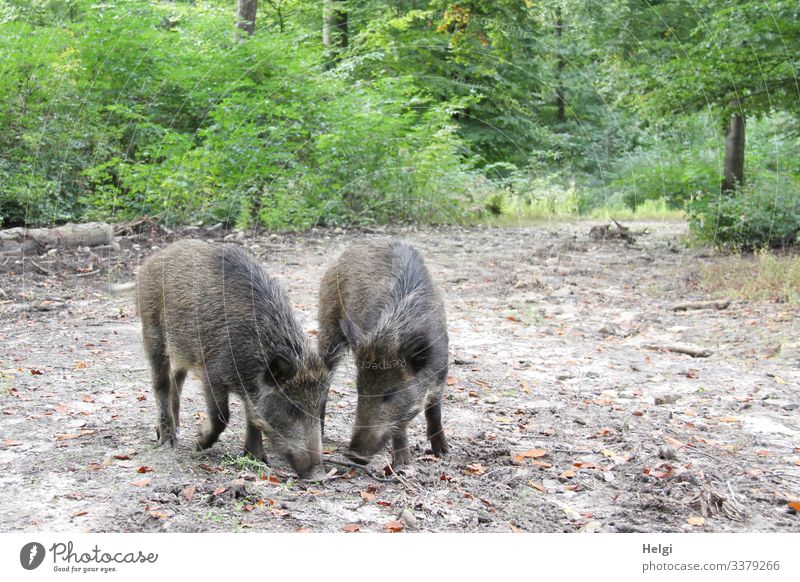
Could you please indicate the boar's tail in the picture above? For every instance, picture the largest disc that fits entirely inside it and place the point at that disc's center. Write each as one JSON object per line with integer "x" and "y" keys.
{"x": 122, "y": 288}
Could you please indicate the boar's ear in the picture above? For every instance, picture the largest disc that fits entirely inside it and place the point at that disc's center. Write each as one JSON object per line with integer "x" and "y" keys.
{"x": 279, "y": 370}
{"x": 352, "y": 333}
{"x": 417, "y": 351}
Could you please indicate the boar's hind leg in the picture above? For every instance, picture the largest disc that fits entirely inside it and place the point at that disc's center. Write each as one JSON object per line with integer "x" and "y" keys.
{"x": 218, "y": 416}
{"x": 155, "y": 349}
{"x": 401, "y": 454}
{"x": 175, "y": 393}
{"x": 254, "y": 444}
{"x": 433, "y": 417}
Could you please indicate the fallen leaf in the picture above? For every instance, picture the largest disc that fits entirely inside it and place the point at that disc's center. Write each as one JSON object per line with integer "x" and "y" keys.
{"x": 696, "y": 521}
{"x": 538, "y": 486}
{"x": 94, "y": 466}
{"x": 569, "y": 474}
{"x": 451, "y": 380}
{"x": 11, "y": 443}
{"x": 351, "y": 527}
{"x": 80, "y": 365}
{"x": 88, "y": 398}
{"x": 367, "y": 496}
{"x": 729, "y": 419}
{"x": 158, "y": 514}
{"x": 188, "y": 492}
{"x": 122, "y": 457}
{"x": 65, "y": 437}
{"x": 219, "y": 491}
{"x": 302, "y": 530}
{"x": 534, "y": 453}
{"x": 144, "y": 469}
{"x": 394, "y": 526}
{"x": 248, "y": 507}
{"x": 36, "y": 372}
{"x": 61, "y": 408}
{"x": 209, "y": 468}
{"x": 140, "y": 483}
{"x": 475, "y": 469}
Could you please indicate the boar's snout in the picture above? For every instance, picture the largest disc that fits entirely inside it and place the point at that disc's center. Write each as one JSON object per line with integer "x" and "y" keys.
{"x": 305, "y": 461}
{"x": 365, "y": 444}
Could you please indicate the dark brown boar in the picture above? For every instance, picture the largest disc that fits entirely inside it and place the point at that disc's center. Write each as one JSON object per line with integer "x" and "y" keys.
{"x": 212, "y": 309}
{"x": 379, "y": 300}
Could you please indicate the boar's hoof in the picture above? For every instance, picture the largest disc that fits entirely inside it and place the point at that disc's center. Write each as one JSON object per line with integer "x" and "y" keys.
{"x": 166, "y": 436}
{"x": 439, "y": 446}
{"x": 401, "y": 457}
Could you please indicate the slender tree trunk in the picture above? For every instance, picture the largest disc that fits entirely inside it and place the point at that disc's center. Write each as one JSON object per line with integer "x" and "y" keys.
{"x": 561, "y": 104}
{"x": 246, "y": 16}
{"x": 334, "y": 29}
{"x": 733, "y": 172}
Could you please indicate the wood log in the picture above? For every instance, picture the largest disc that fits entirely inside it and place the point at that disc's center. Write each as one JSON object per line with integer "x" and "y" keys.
{"x": 22, "y": 240}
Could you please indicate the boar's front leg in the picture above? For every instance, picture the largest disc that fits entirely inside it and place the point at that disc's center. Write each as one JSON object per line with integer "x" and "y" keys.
{"x": 218, "y": 416}
{"x": 254, "y": 443}
{"x": 433, "y": 418}
{"x": 401, "y": 453}
{"x": 156, "y": 350}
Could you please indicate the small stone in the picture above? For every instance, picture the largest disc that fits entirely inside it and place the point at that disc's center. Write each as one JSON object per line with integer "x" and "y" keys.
{"x": 666, "y": 399}
{"x": 409, "y": 519}
{"x": 562, "y": 292}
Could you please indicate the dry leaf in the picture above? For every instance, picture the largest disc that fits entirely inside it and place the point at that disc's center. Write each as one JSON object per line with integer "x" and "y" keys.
{"x": 122, "y": 457}
{"x": 188, "y": 493}
{"x": 696, "y": 521}
{"x": 65, "y": 437}
{"x": 729, "y": 419}
{"x": 475, "y": 469}
{"x": 538, "y": 486}
{"x": 534, "y": 453}
{"x": 140, "y": 483}
{"x": 80, "y": 364}
{"x": 568, "y": 474}
{"x": 367, "y": 496}
{"x": 394, "y": 526}
{"x": 11, "y": 443}
{"x": 219, "y": 491}
{"x": 351, "y": 527}
{"x": 144, "y": 469}
{"x": 451, "y": 380}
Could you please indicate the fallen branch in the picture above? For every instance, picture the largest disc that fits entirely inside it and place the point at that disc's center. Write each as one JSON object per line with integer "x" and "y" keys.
{"x": 692, "y": 305}
{"x": 695, "y": 352}
{"x": 710, "y": 502}
{"x": 364, "y": 468}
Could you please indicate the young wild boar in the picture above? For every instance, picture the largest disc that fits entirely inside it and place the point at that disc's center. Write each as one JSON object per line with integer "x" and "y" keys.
{"x": 212, "y": 309}
{"x": 378, "y": 299}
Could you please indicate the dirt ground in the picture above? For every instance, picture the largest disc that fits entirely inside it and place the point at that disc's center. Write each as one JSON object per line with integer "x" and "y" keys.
{"x": 565, "y": 409}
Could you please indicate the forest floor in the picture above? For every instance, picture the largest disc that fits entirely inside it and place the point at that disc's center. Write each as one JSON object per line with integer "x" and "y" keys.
{"x": 566, "y": 409}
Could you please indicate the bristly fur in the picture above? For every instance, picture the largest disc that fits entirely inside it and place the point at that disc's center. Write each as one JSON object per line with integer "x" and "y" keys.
{"x": 379, "y": 300}
{"x": 213, "y": 309}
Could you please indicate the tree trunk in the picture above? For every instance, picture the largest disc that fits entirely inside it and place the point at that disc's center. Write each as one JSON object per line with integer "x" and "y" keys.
{"x": 334, "y": 29}
{"x": 733, "y": 172}
{"x": 246, "y": 16}
{"x": 561, "y": 104}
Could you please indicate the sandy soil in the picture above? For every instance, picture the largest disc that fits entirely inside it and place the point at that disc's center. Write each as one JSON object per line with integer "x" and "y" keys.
{"x": 565, "y": 412}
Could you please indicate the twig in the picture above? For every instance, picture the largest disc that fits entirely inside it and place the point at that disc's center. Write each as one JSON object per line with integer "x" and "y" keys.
{"x": 691, "y": 305}
{"x": 89, "y": 274}
{"x": 41, "y": 269}
{"x": 364, "y": 468}
{"x": 683, "y": 349}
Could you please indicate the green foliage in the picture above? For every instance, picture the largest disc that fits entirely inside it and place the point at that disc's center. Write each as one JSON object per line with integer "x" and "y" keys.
{"x": 759, "y": 215}
{"x": 436, "y": 111}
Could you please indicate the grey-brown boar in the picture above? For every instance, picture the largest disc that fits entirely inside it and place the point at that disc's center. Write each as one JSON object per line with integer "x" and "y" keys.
{"x": 379, "y": 300}
{"x": 211, "y": 308}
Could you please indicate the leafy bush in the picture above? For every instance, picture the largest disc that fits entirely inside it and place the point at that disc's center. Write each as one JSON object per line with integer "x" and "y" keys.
{"x": 758, "y": 215}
